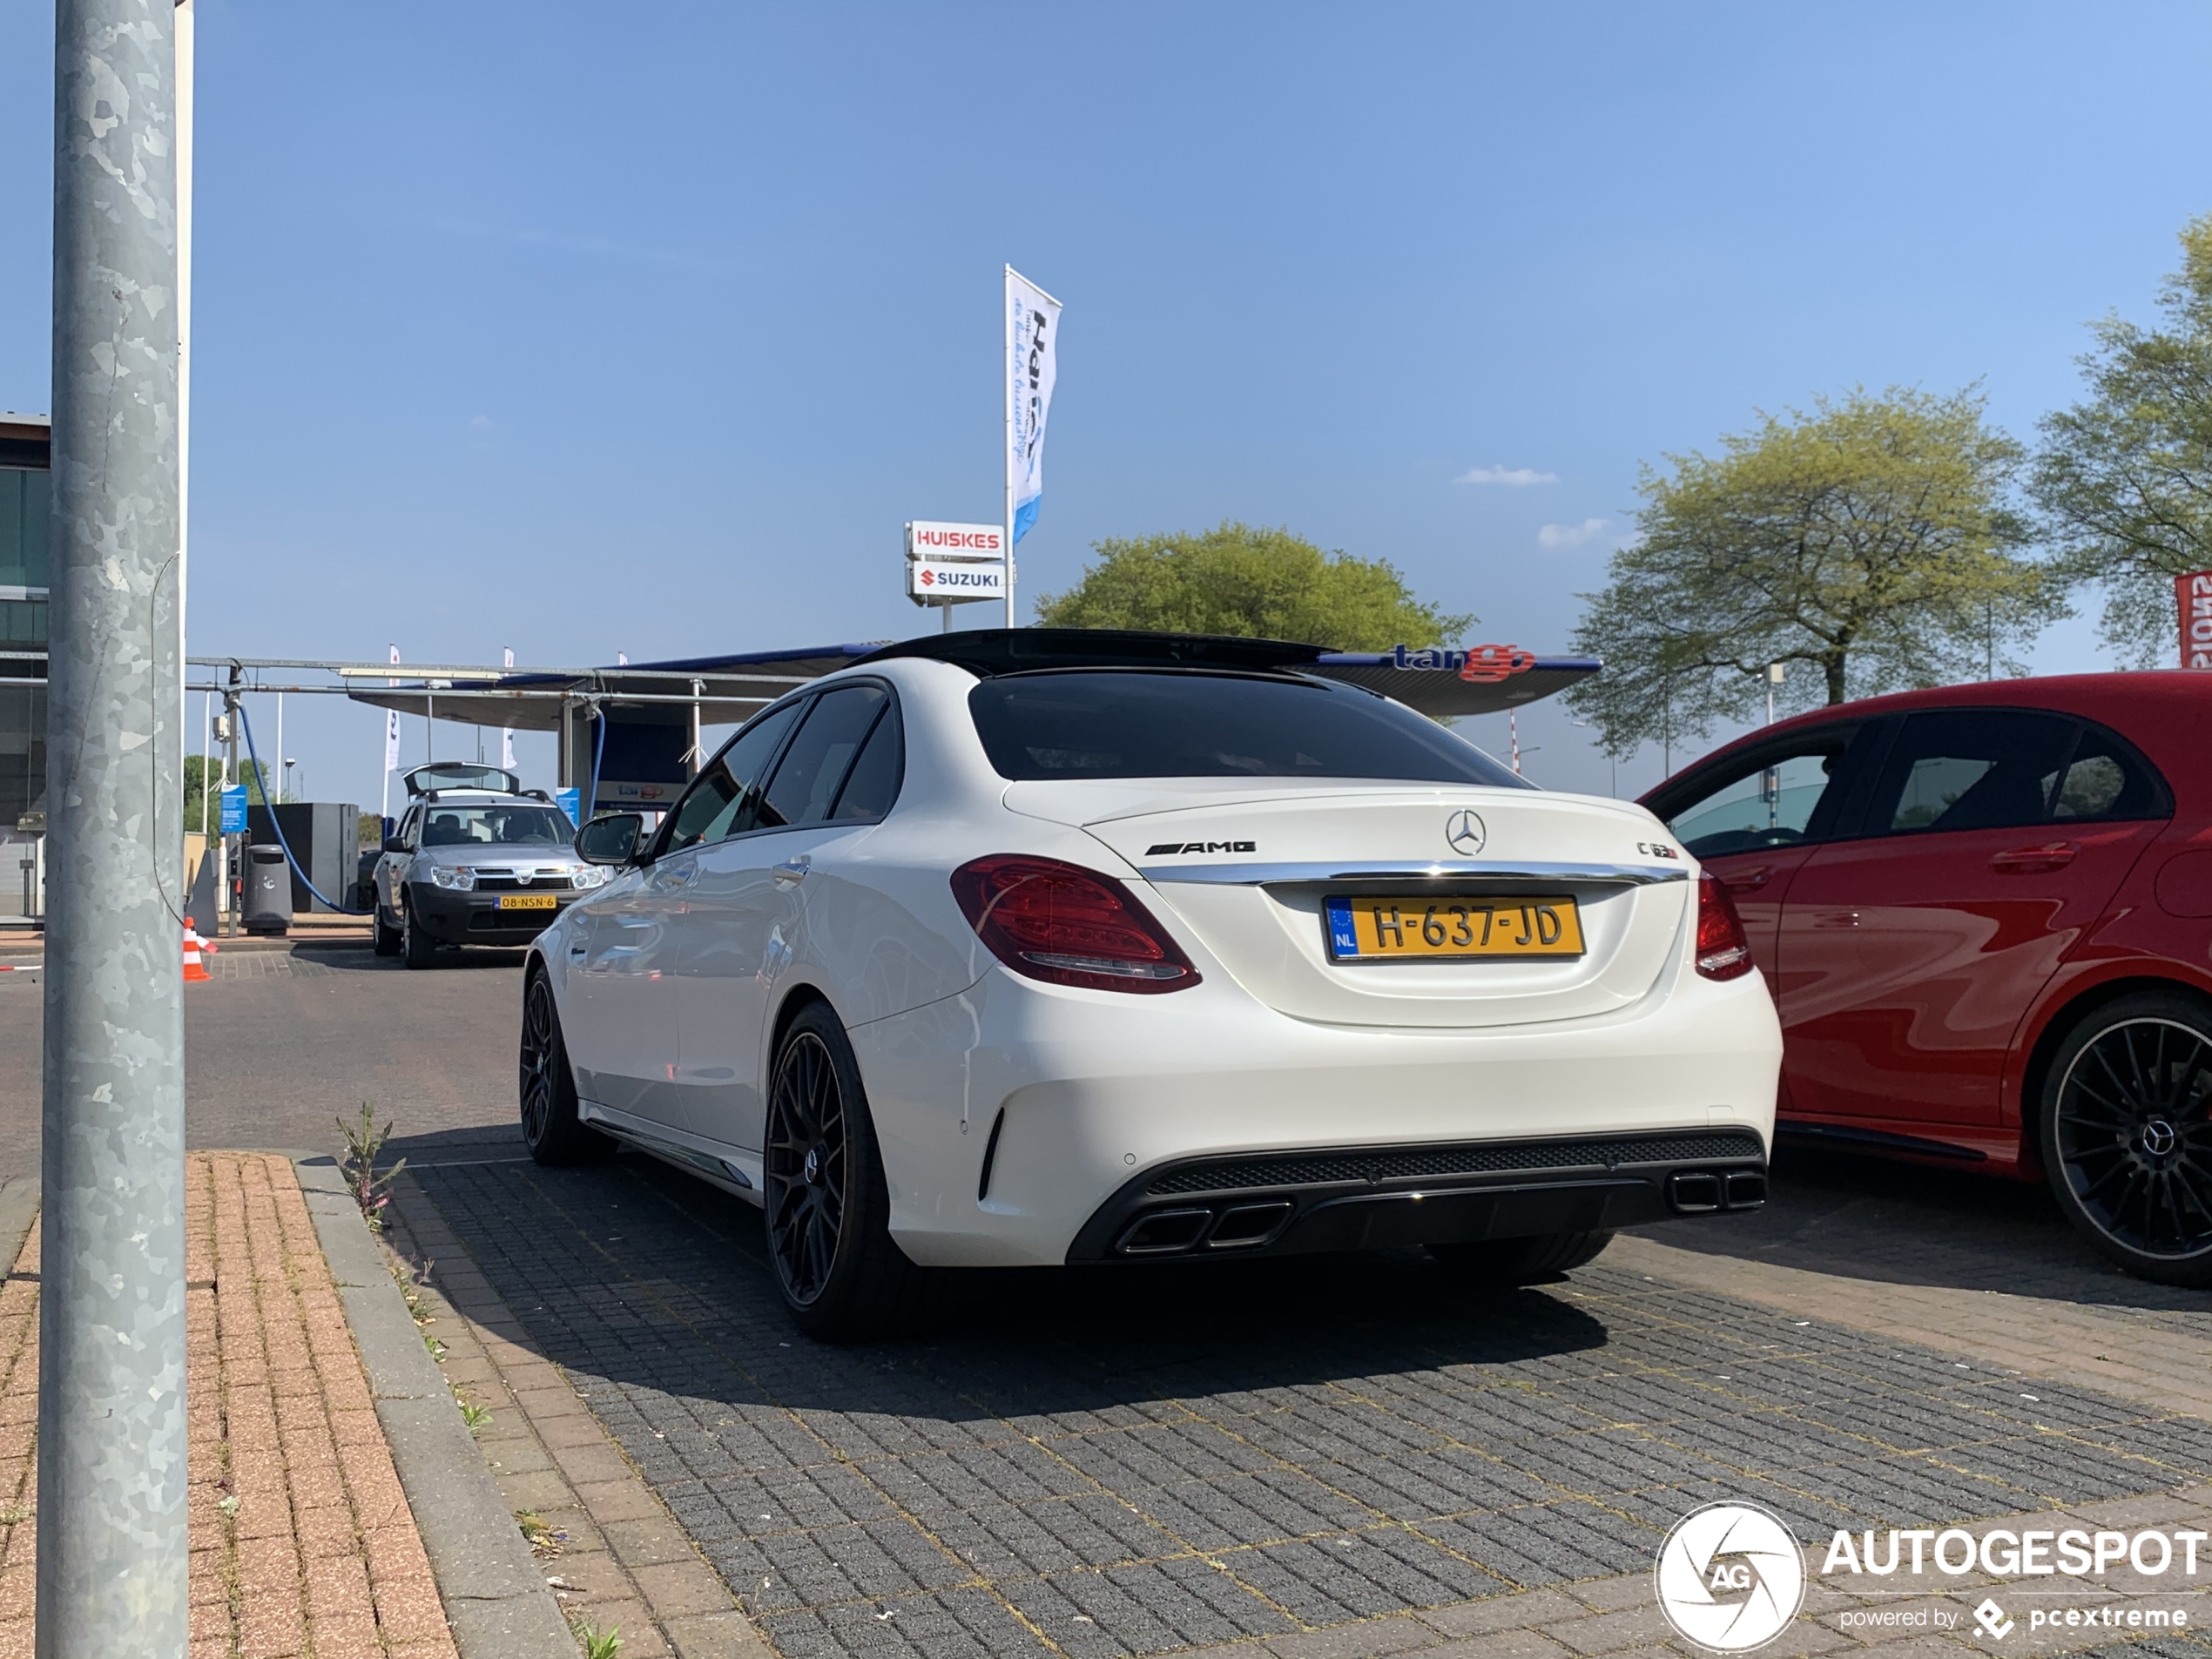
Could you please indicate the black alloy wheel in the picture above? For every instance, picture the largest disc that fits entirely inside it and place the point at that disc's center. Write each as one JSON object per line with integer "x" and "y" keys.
{"x": 826, "y": 1204}
{"x": 551, "y": 1129}
{"x": 2126, "y": 1134}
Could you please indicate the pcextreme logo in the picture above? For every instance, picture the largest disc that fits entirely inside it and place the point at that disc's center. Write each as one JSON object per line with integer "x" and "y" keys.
{"x": 1730, "y": 1577}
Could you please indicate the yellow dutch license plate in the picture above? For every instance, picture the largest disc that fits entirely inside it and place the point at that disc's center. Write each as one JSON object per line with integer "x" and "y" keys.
{"x": 1452, "y": 929}
{"x": 528, "y": 901}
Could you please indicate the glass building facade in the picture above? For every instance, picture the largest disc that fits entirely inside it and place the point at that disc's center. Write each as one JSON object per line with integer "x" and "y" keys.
{"x": 24, "y": 506}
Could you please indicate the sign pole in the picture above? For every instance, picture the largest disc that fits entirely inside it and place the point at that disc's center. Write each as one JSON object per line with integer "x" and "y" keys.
{"x": 1007, "y": 380}
{"x": 111, "y": 1517}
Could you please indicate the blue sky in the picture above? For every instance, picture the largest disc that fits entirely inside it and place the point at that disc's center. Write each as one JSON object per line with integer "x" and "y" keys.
{"x": 534, "y": 327}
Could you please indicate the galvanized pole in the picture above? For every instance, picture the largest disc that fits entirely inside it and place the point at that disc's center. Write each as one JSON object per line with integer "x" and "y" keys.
{"x": 112, "y": 1518}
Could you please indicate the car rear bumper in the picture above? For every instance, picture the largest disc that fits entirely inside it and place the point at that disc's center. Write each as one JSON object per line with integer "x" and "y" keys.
{"x": 1026, "y": 1125}
{"x": 476, "y": 918}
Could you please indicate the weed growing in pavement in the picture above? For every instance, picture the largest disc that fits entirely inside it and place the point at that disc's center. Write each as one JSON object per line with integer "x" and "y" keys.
{"x": 597, "y": 1643}
{"x": 15, "y": 1515}
{"x": 545, "y": 1542}
{"x": 437, "y": 1348}
{"x": 371, "y": 1189}
{"x": 473, "y": 1414}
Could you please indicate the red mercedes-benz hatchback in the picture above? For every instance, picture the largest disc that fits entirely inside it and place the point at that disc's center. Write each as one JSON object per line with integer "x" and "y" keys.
{"x": 1984, "y": 913}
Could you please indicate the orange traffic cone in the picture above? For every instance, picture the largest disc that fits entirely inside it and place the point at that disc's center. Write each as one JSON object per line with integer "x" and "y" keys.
{"x": 193, "y": 967}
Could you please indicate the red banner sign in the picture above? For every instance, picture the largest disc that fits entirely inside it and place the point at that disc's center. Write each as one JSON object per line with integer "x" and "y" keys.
{"x": 2192, "y": 601}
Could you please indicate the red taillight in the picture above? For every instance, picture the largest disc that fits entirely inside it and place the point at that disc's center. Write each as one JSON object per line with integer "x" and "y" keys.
{"x": 1067, "y": 925}
{"x": 1723, "y": 951}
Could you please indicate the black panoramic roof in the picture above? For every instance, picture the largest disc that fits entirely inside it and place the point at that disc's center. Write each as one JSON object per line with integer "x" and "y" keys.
{"x": 989, "y": 651}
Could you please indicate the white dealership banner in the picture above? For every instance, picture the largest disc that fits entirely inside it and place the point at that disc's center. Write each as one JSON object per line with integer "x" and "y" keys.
{"x": 927, "y": 539}
{"x": 507, "y": 732}
{"x": 1032, "y": 350}
{"x": 391, "y": 727}
{"x": 954, "y": 582}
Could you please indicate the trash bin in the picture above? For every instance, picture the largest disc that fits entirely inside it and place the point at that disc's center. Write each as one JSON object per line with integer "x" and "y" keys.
{"x": 266, "y": 906}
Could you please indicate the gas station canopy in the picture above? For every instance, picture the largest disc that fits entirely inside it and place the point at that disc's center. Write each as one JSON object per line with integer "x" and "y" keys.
{"x": 1437, "y": 681}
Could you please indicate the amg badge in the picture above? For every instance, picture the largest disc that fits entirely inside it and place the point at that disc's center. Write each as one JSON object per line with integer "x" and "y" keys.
{"x": 1158, "y": 848}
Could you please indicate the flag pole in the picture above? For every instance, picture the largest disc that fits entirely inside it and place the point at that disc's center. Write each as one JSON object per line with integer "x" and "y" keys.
{"x": 1006, "y": 382}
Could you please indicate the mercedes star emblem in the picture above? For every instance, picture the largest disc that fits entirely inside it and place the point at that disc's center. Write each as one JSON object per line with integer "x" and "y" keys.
{"x": 1465, "y": 832}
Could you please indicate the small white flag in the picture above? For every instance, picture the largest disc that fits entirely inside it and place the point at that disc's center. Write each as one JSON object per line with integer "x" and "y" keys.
{"x": 621, "y": 659}
{"x": 507, "y": 733}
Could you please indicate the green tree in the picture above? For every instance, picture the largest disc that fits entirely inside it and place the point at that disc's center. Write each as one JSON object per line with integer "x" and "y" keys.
{"x": 1870, "y": 544}
{"x": 2125, "y": 477}
{"x": 1255, "y": 582}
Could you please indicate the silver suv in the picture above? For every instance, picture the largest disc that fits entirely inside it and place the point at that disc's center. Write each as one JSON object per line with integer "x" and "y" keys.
{"x": 478, "y": 860}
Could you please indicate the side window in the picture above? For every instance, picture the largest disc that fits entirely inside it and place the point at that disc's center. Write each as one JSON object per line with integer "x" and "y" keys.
{"x": 873, "y": 784}
{"x": 408, "y": 825}
{"x": 812, "y": 769}
{"x": 1778, "y": 798}
{"x": 720, "y": 800}
{"x": 1964, "y": 769}
{"x": 2104, "y": 778}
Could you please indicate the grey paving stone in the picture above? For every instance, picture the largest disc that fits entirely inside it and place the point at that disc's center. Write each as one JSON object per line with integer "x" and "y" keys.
{"x": 1112, "y": 1465}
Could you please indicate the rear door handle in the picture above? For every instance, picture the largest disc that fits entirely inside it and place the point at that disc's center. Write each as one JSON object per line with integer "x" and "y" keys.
{"x": 790, "y": 869}
{"x": 667, "y": 880}
{"x": 1745, "y": 880}
{"x": 2029, "y": 860}
{"x": 1836, "y": 919}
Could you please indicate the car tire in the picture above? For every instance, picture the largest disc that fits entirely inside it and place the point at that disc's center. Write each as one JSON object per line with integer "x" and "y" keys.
{"x": 552, "y": 1129}
{"x": 1507, "y": 1262}
{"x": 2125, "y": 1126}
{"x": 826, "y": 1208}
{"x": 417, "y": 948}
{"x": 387, "y": 939}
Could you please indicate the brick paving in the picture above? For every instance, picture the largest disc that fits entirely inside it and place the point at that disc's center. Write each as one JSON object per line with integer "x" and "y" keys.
{"x": 1300, "y": 1454}
{"x": 614, "y": 1556}
{"x": 302, "y": 1542}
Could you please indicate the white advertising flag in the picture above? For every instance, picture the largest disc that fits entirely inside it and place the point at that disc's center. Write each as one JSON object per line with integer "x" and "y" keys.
{"x": 507, "y": 732}
{"x": 392, "y": 729}
{"x": 1032, "y": 342}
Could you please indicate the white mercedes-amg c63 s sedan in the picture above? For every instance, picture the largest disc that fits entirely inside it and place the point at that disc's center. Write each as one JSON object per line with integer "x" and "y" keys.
{"x": 1047, "y": 946}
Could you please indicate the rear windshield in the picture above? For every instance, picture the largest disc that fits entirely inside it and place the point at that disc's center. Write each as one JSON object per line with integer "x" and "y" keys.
{"x": 1120, "y": 724}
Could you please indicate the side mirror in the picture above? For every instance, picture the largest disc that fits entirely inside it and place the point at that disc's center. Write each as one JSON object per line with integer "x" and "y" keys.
{"x": 393, "y": 844}
{"x": 611, "y": 838}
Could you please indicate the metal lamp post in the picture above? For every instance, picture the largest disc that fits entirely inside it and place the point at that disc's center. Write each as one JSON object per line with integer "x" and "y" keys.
{"x": 111, "y": 1446}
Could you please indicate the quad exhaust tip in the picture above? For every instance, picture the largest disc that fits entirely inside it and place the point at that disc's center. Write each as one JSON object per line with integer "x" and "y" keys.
{"x": 1700, "y": 1192}
{"x": 1237, "y": 1226}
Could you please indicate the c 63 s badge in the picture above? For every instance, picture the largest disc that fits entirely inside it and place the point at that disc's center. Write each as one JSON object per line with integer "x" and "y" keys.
{"x": 1170, "y": 848}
